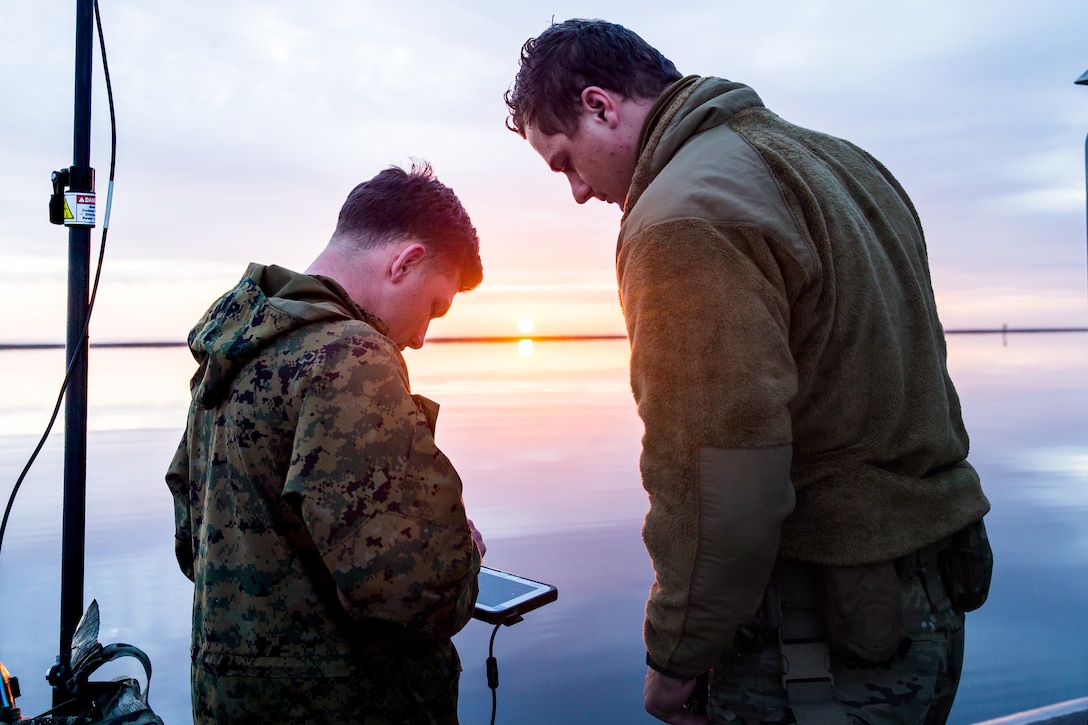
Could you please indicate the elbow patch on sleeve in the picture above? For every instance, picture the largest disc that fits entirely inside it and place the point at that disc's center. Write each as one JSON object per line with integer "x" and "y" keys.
{"x": 744, "y": 496}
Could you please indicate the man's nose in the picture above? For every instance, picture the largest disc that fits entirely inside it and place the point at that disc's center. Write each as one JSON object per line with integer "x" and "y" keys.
{"x": 580, "y": 189}
{"x": 417, "y": 339}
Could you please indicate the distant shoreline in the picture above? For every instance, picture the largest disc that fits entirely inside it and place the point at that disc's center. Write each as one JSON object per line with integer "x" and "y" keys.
{"x": 534, "y": 338}
{"x": 1010, "y": 330}
{"x": 430, "y": 340}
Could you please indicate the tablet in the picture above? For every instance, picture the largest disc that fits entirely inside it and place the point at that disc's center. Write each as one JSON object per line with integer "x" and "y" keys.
{"x": 503, "y": 595}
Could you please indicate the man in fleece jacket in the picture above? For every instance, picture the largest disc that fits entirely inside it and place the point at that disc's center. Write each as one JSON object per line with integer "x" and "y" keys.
{"x": 804, "y": 451}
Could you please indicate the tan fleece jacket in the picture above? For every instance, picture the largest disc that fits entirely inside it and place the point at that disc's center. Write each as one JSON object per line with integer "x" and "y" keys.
{"x": 786, "y": 359}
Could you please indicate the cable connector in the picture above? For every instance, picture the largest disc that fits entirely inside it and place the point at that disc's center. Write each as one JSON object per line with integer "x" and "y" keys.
{"x": 76, "y": 206}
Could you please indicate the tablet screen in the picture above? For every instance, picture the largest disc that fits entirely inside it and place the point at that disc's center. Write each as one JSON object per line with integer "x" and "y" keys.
{"x": 494, "y": 590}
{"x": 503, "y": 594}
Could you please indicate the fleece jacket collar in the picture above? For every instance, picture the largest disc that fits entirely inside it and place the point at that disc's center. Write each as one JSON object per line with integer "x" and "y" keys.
{"x": 684, "y": 109}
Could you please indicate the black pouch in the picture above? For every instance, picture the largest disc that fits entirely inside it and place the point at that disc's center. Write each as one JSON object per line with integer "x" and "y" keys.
{"x": 967, "y": 566}
{"x": 863, "y": 610}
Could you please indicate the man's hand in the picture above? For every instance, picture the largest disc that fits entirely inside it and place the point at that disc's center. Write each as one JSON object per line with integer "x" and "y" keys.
{"x": 478, "y": 538}
{"x": 664, "y": 698}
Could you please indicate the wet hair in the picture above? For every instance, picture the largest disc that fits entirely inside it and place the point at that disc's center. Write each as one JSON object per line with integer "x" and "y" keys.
{"x": 398, "y": 204}
{"x": 570, "y": 56}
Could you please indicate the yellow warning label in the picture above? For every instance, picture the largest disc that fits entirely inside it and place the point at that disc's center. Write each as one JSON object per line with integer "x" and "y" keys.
{"x": 67, "y": 212}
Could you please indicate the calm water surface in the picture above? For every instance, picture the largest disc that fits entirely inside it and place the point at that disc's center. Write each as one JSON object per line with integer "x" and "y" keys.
{"x": 547, "y": 445}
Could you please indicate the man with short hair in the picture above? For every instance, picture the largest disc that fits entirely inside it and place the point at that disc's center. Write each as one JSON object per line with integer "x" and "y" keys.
{"x": 804, "y": 453}
{"x": 323, "y": 529}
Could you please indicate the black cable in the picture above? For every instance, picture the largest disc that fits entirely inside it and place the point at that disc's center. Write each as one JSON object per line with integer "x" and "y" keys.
{"x": 493, "y": 664}
{"x": 82, "y": 349}
{"x": 113, "y": 119}
{"x": 493, "y": 673}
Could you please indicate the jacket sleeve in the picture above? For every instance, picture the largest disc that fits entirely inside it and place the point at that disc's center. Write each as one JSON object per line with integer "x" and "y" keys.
{"x": 177, "y": 480}
{"x": 382, "y": 503}
{"x": 713, "y": 376}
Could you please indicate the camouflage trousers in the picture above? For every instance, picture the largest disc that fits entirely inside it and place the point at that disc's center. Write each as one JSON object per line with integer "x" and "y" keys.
{"x": 392, "y": 690}
{"x": 917, "y": 685}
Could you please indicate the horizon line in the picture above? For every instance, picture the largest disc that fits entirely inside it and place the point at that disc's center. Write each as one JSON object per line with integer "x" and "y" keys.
{"x": 1004, "y": 330}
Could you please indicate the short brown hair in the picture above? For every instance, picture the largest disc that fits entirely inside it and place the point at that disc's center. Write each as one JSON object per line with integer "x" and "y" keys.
{"x": 397, "y": 204}
{"x": 570, "y": 56}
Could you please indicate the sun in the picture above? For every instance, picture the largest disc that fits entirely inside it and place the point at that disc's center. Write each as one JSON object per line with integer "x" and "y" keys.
{"x": 525, "y": 326}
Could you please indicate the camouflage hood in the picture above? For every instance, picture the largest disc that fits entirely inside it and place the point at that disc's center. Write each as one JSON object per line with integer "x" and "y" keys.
{"x": 269, "y": 301}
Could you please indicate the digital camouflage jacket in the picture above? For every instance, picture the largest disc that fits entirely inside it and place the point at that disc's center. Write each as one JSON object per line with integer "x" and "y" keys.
{"x": 300, "y": 393}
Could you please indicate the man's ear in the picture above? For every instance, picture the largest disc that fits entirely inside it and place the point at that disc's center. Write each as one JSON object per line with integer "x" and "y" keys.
{"x": 602, "y": 104}
{"x": 409, "y": 258}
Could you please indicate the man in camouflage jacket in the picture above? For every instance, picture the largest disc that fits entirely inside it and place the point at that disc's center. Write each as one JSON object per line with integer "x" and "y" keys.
{"x": 323, "y": 529}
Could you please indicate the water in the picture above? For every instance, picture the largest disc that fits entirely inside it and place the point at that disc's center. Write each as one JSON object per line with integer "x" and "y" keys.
{"x": 547, "y": 444}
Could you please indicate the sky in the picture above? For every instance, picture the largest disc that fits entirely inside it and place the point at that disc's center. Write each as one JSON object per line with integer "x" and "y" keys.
{"x": 242, "y": 126}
